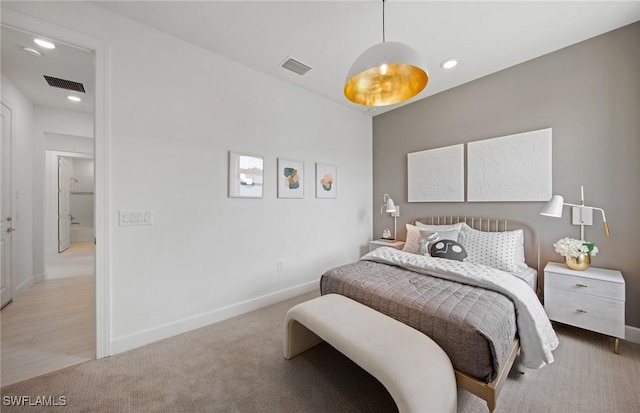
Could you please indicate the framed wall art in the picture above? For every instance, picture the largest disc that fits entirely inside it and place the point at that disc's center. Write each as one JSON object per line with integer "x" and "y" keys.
{"x": 510, "y": 168}
{"x": 326, "y": 180}
{"x": 436, "y": 175}
{"x": 246, "y": 174}
{"x": 290, "y": 179}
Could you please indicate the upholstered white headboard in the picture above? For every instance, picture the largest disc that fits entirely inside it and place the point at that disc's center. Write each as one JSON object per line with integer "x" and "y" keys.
{"x": 531, "y": 246}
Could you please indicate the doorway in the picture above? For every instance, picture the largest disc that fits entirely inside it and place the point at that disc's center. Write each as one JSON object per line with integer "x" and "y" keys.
{"x": 50, "y": 322}
{"x": 71, "y": 247}
{"x": 75, "y": 197}
{"x": 99, "y": 309}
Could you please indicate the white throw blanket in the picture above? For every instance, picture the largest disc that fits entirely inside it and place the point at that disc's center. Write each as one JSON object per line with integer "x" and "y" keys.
{"x": 537, "y": 337}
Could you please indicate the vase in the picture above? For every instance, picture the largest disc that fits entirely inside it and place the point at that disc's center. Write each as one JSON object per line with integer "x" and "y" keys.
{"x": 579, "y": 263}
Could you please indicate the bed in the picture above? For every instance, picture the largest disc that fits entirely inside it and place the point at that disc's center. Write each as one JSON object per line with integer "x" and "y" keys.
{"x": 474, "y": 324}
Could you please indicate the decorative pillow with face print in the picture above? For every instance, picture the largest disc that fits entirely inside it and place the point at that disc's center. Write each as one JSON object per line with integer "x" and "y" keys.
{"x": 448, "y": 249}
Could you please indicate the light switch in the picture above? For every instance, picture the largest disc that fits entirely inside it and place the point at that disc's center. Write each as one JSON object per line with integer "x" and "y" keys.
{"x": 130, "y": 218}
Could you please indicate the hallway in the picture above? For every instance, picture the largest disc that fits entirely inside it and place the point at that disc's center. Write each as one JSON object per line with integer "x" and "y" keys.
{"x": 52, "y": 324}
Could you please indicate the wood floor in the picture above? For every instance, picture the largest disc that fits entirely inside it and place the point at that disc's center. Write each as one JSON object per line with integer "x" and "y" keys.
{"x": 52, "y": 324}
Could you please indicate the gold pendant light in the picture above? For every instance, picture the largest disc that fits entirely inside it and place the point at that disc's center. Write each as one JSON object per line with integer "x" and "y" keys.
{"x": 385, "y": 74}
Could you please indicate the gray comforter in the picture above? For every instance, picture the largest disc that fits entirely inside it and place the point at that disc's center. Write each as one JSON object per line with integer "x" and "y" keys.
{"x": 474, "y": 326}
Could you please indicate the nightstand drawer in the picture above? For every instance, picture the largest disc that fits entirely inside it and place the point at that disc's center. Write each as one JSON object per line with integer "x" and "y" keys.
{"x": 583, "y": 285}
{"x": 593, "y": 313}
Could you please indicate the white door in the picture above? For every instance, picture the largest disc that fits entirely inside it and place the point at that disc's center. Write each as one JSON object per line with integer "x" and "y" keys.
{"x": 6, "y": 290}
{"x": 64, "y": 211}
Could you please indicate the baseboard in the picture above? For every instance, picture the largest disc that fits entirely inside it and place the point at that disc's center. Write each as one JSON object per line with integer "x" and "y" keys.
{"x": 28, "y": 283}
{"x": 38, "y": 278}
{"x": 76, "y": 240}
{"x": 632, "y": 334}
{"x": 121, "y": 344}
{"x": 24, "y": 286}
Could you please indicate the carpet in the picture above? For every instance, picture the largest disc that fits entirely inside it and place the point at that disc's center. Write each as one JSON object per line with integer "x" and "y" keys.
{"x": 237, "y": 366}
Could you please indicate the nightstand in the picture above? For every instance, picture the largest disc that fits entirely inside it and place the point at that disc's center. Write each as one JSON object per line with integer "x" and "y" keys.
{"x": 592, "y": 299}
{"x": 393, "y": 243}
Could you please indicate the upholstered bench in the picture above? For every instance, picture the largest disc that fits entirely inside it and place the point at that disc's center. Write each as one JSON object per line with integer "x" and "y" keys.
{"x": 413, "y": 368}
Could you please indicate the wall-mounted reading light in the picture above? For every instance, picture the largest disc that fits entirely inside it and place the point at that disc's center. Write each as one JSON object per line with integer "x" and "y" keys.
{"x": 391, "y": 208}
{"x": 583, "y": 215}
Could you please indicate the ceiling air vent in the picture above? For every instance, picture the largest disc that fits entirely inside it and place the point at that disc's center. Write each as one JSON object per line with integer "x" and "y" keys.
{"x": 295, "y": 66}
{"x": 64, "y": 84}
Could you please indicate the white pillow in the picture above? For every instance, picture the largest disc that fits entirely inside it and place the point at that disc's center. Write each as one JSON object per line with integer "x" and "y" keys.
{"x": 415, "y": 234}
{"x": 450, "y": 227}
{"x": 502, "y": 250}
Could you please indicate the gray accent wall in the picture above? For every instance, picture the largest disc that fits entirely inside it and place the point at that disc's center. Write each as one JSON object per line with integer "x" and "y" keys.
{"x": 589, "y": 93}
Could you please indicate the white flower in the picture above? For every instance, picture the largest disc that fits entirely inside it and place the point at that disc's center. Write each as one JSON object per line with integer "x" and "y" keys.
{"x": 571, "y": 247}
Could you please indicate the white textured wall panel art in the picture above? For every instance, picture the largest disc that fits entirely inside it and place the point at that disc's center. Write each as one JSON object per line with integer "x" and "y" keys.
{"x": 436, "y": 175}
{"x": 510, "y": 168}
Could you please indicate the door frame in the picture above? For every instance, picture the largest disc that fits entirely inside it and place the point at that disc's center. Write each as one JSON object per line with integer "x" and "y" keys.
{"x": 64, "y": 192}
{"x": 6, "y": 195}
{"x": 102, "y": 138}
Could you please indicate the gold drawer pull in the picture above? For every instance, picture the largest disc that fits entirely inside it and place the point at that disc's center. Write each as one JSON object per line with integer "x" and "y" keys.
{"x": 581, "y": 285}
{"x": 579, "y": 310}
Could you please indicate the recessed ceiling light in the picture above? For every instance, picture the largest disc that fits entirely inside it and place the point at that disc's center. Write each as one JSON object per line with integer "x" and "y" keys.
{"x": 31, "y": 52}
{"x": 449, "y": 63}
{"x": 74, "y": 98}
{"x": 44, "y": 43}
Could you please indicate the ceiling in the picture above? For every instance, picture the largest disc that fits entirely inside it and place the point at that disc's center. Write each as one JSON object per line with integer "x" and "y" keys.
{"x": 64, "y": 62}
{"x": 486, "y": 36}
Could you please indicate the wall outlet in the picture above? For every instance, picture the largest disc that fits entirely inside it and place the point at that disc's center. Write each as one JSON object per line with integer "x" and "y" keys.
{"x": 279, "y": 265}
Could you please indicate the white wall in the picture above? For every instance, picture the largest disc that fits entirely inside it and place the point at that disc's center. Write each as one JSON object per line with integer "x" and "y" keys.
{"x": 65, "y": 122}
{"x": 68, "y": 143}
{"x": 22, "y": 115}
{"x": 176, "y": 111}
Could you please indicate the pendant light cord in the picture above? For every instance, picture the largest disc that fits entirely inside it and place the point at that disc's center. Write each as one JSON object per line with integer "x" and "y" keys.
{"x": 383, "y": 36}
